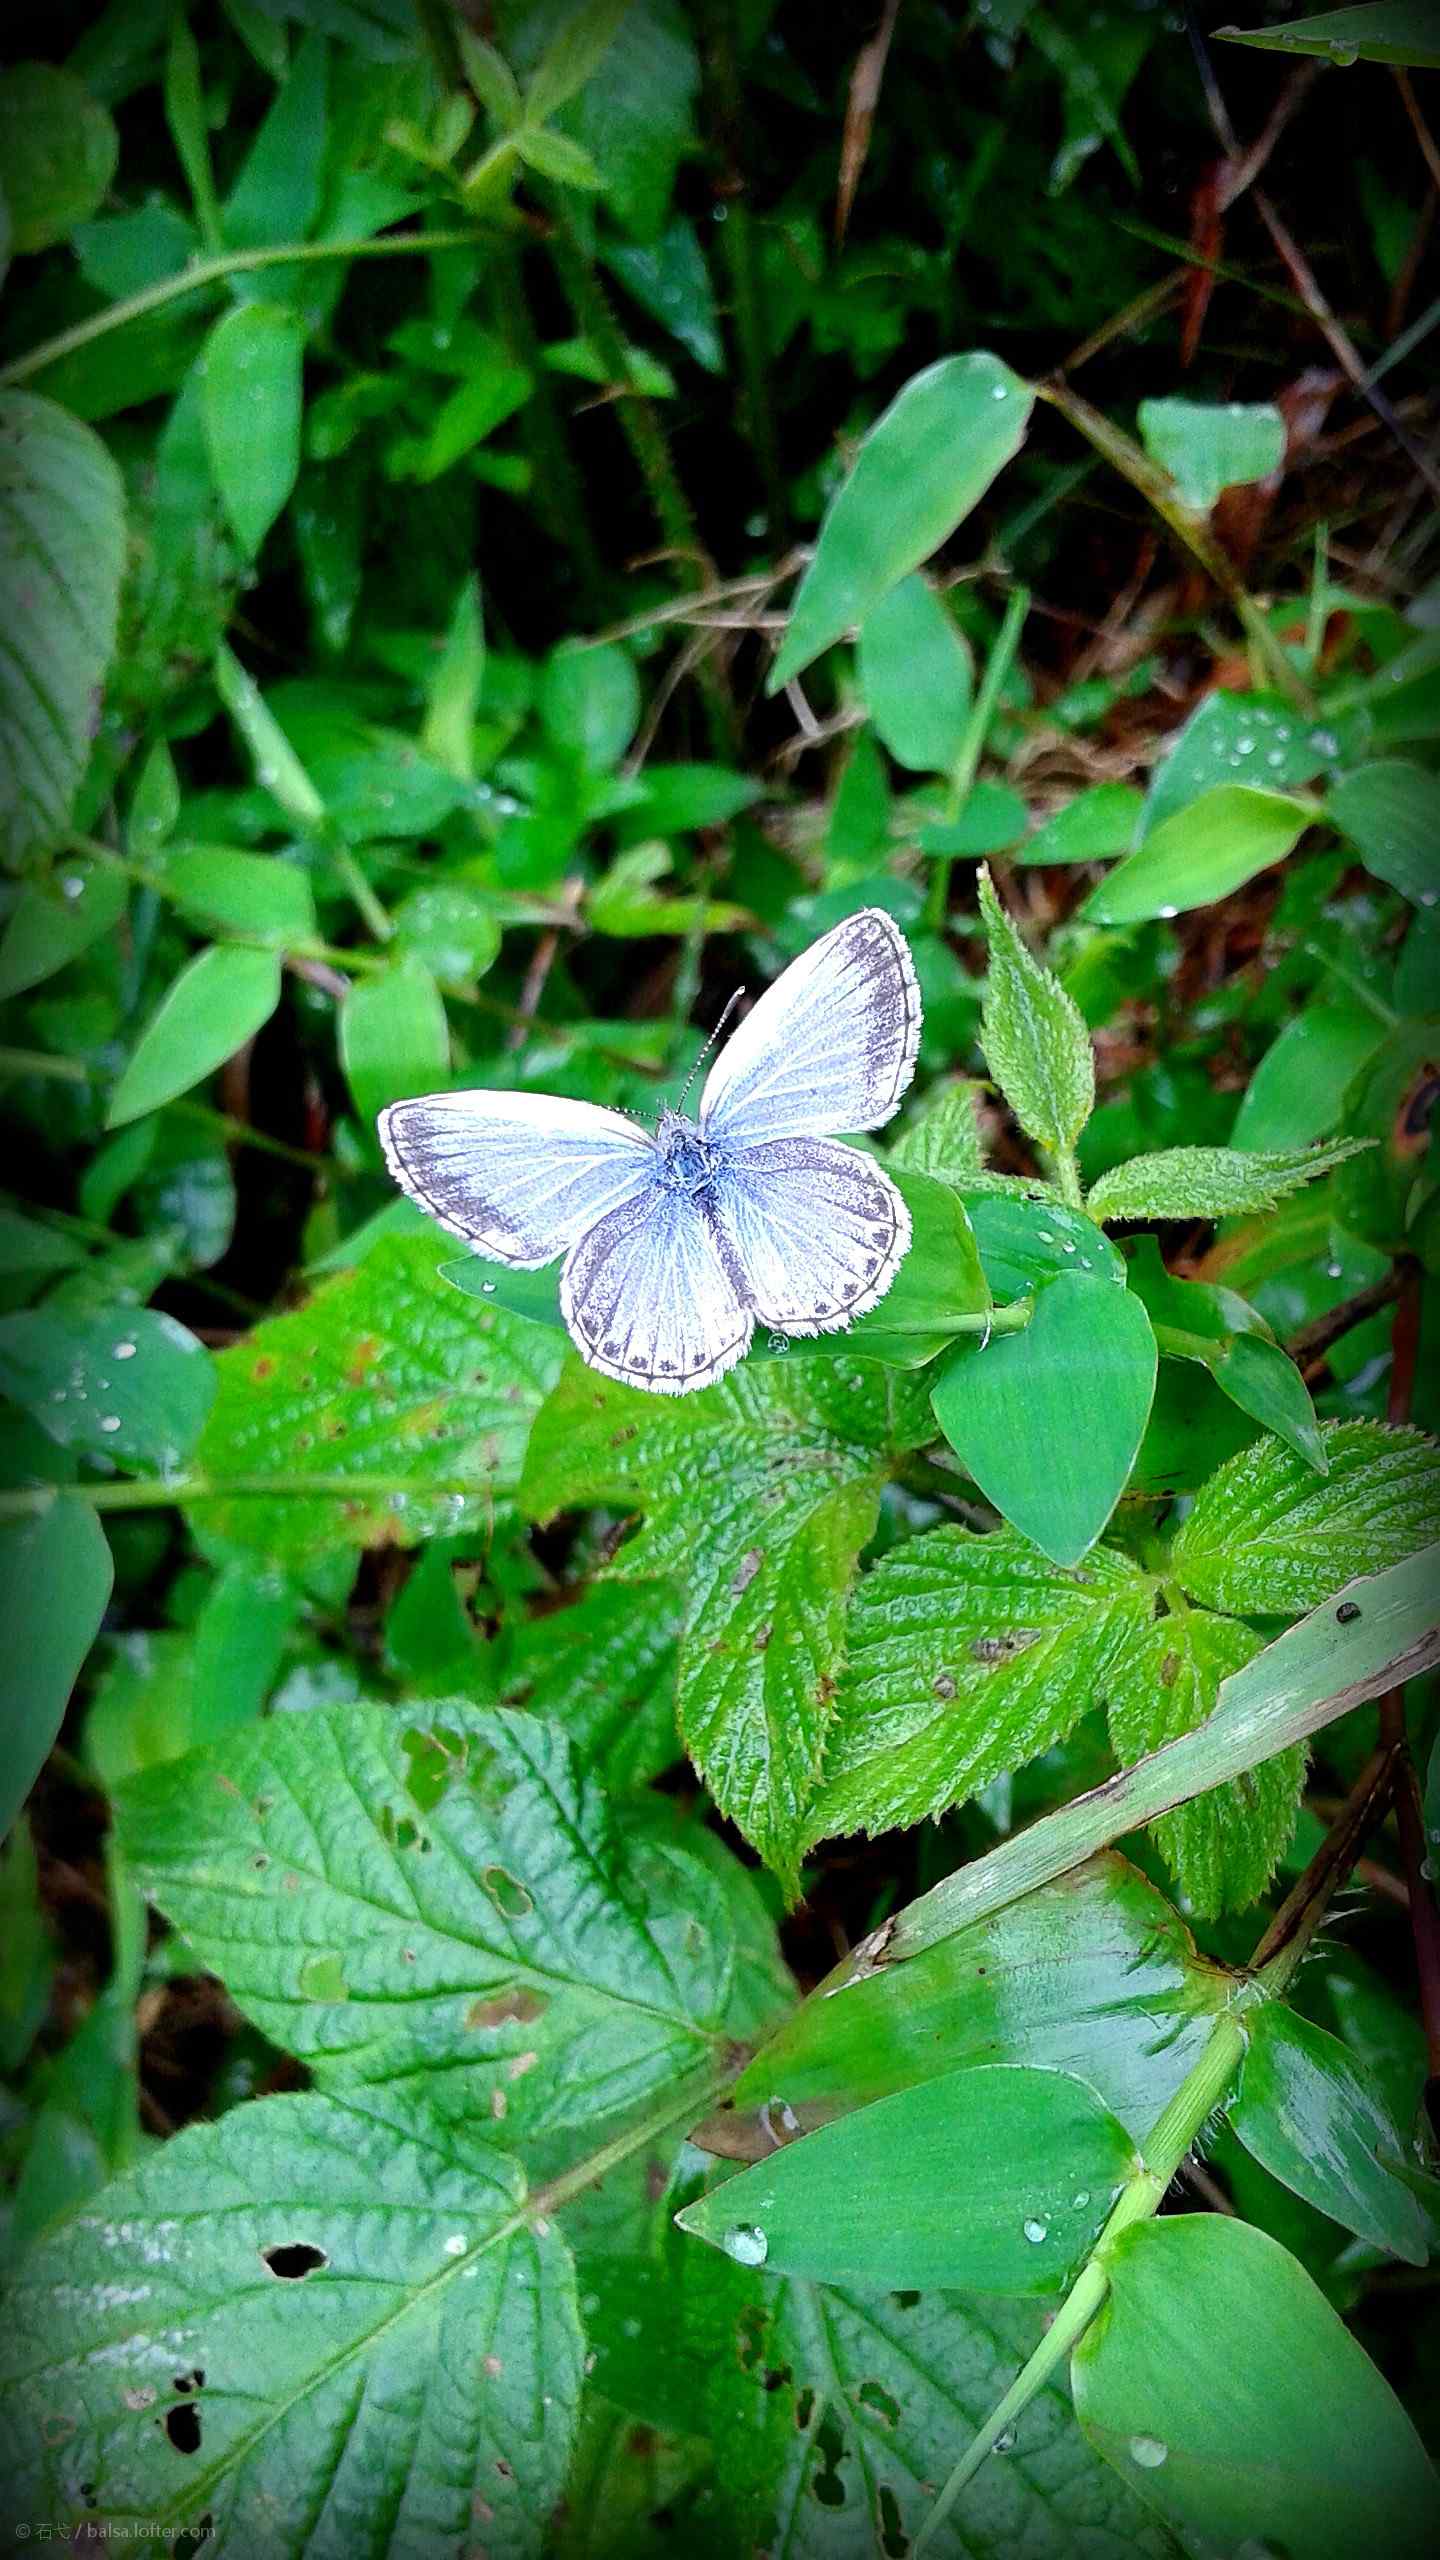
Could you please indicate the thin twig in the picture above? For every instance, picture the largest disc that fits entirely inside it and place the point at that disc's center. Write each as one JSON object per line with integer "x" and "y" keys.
{"x": 1312, "y": 1341}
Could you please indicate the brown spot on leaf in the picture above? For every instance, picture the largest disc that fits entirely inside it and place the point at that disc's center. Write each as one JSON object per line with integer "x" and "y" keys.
{"x": 944, "y": 1686}
{"x": 746, "y": 1570}
{"x": 1169, "y": 1670}
{"x": 504, "y": 2006}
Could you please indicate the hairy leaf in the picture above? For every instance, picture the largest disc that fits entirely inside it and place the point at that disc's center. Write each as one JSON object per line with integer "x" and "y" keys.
{"x": 1033, "y": 1036}
{"x": 1211, "y": 1182}
{"x": 322, "y": 2324}
{"x": 1223, "y": 1847}
{"x": 941, "y": 1135}
{"x": 967, "y": 1656}
{"x": 447, "y": 1901}
{"x": 758, "y": 1495}
{"x": 1265, "y": 1536}
{"x": 62, "y": 542}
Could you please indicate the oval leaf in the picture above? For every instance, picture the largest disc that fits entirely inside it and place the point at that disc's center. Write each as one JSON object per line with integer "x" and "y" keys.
{"x": 62, "y": 541}
{"x": 915, "y": 675}
{"x": 1306, "y": 2114}
{"x": 1048, "y": 1421}
{"x": 996, "y": 2180}
{"x": 1200, "y": 854}
{"x": 252, "y": 376}
{"x": 128, "y": 1385}
{"x": 218, "y": 1002}
{"x": 1391, "y": 814}
{"x": 923, "y": 466}
{"x": 55, "y": 1578}
{"x": 394, "y": 1038}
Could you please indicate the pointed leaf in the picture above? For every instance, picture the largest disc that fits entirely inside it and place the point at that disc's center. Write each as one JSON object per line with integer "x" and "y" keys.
{"x": 55, "y": 1579}
{"x": 924, "y": 464}
{"x": 252, "y": 375}
{"x": 1034, "y": 1037}
{"x": 1048, "y": 1421}
{"x": 1377, "y": 31}
{"x": 1198, "y": 855}
{"x": 1391, "y": 814}
{"x": 1310, "y": 2115}
{"x": 916, "y": 677}
{"x": 1211, "y": 1182}
{"x": 62, "y": 543}
{"x": 1265, "y": 1536}
{"x": 218, "y": 1002}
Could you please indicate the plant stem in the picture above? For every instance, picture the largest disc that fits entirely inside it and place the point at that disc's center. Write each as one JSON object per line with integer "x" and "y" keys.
{"x": 982, "y": 712}
{"x": 1067, "y": 1176}
{"x": 155, "y": 1493}
{"x": 1189, "y": 526}
{"x": 203, "y": 272}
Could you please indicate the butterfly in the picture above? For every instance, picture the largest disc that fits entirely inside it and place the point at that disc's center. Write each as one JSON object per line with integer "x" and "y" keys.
{"x": 679, "y": 1240}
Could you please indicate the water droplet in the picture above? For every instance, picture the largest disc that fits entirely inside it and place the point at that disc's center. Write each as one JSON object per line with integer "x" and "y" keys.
{"x": 73, "y": 884}
{"x": 999, "y": 392}
{"x": 58, "y": 1395}
{"x": 1005, "y": 2441}
{"x": 1149, "y": 2452}
{"x": 1276, "y": 757}
{"x": 1245, "y": 746}
{"x": 1036, "y": 2231}
{"x": 1081, "y": 2200}
{"x": 1068, "y": 1245}
{"x": 456, "y": 2245}
{"x": 123, "y": 1351}
{"x": 746, "y": 2244}
{"x": 487, "y": 1288}
{"x": 109, "y": 1421}
{"x": 779, "y": 1342}
{"x": 1169, "y": 911}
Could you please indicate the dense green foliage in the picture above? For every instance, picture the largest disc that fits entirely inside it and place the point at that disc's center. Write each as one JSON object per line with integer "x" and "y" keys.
{"x": 567, "y": 1976}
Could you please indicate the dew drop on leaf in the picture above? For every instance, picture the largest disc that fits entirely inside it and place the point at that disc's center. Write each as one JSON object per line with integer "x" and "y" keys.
{"x": 746, "y": 2244}
{"x": 1036, "y": 2231}
{"x": 1149, "y": 2452}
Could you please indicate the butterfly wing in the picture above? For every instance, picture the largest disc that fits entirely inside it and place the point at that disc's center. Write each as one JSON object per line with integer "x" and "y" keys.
{"x": 652, "y": 1296}
{"x": 816, "y": 1230}
{"x": 830, "y": 1047}
{"x": 517, "y": 1176}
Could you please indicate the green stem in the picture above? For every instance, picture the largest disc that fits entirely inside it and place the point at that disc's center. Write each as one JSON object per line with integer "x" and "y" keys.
{"x": 967, "y": 763}
{"x": 203, "y": 272}
{"x": 1189, "y": 527}
{"x": 1172, "y": 1338}
{"x": 1067, "y": 1176}
{"x": 561, "y": 499}
{"x": 153, "y": 1493}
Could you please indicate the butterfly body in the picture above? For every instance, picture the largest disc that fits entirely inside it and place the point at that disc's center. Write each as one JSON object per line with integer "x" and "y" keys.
{"x": 678, "y": 1242}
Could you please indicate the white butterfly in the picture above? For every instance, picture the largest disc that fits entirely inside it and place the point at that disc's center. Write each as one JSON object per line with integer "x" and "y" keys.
{"x": 678, "y": 1242}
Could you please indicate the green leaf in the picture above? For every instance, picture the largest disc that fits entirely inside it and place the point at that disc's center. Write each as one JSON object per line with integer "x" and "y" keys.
{"x": 634, "y": 115}
{"x": 759, "y": 1495}
{"x": 1213, "y": 1326}
{"x": 556, "y": 156}
{"x": 1225, "y": 2390}
{"x": 916, "y": 677}
{"x": 490, "y": 76}
{"x": 277, "y": 195}
{"x": 1200, "y": 853}
{"x": 58, "y": 149}
{"x": 990, "y": 819}
{"x": 941, "y": 1135}
{"x": 670, "y": 279}
{"x": 573, "y": 55}
{"x": 259, "y": 895}
{"x": 604, "y": 1667}
{"x": 62, "y": 543}
{"x": 1207, "y": 448}
{"x": 1264, "y": 1382}
{"x": 1027, "y": 1241}
{"x": 1264, "y": 1536}
{"x": 394, "y": 1037}
{"x": 1298, "y": 1090}
{"x": 253, "y": 366}
{"x": 966, "y": 1656}
{"x": 835, "y": 2413}
{"x": 387, "y": 1376}
{"x": 219, "y": 1001}
{"x": 1391, "y": 815}
{"x": 1211, "y": 1182}
{"x": 452, "y": 696}
{"x": 1377, "y": 31}
{"x": 1090, "y": 828}
{"x": 450, "y": 931}
{"x": 442, "y": 1900}
{"x": 396, "y": 2345}
{"x": 925, "y": 463}
{"x": 590, "y": 703}
{"x": 128, "y": 1385}
{"x": 53, "y": 921}
{"x": 278, "y": 769}
{"x": 1048, "y": 1421}
{"x": 55, "y": 1578}
{"x": 1092, "y": 1973}
{"x": 1309, "y": 2115}
{"x": 1034, "y": 1038}
{"x": 996, "y": 2181}
{"x": 1223, "y": 1848}
{"x": 1241, "y": 738}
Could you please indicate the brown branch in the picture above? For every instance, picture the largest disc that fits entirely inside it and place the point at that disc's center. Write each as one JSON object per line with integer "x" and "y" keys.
{"x": 1310, "y": 1344}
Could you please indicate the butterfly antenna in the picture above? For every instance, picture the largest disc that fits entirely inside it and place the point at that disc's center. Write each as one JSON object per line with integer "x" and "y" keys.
{"x": 730, "y": 1004}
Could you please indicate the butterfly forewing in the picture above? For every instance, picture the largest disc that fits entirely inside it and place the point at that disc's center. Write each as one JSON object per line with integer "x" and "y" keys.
{"x": 830, "y": 1048}
{"x": 651, "y": 1296}
{"x": 518, "y": 1176}
{"x": 817, "y": 1229}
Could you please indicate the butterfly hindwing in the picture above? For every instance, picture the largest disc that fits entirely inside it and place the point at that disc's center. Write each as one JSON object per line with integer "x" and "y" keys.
{"x": 830, "y": 1048}
{"x": 817, "y": 1229}
{"x": 651, "y": 1295}
{"x": 517, "y": 1176}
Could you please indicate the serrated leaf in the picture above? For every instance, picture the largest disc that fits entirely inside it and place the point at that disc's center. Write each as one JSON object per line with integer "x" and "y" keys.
{"x": 1224, "y": 1846}
{"x": 389, "y": 1377}
{"x": 62, "y": 543}
{"x": 1308, "y": 2113}
{"x": 967, "y": 1656}
{"x": 605, "y": 1669}
{"x": 759, "y": 1495}
{"x": 1226, "y": 2390}
{"x": 836, "y": 2414}
{"x": 219, "y": 1001}
{"x": 1265, "y": 1537}
{"x": 1211, "y": 1182}
{"x": 996, "y": 2180}
{"x": 440, "y": 1896}
{"x": 393, "y": 2359}
{"x": 942, "y": 1135}
{"x": 1034, "y": 1037}
{"x": 924, "y": 464}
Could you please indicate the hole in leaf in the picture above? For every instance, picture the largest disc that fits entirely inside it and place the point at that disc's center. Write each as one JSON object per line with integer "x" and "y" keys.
{"x": 894, "y": 2540}
{"x": 193, "y": 2381}
{"x": 506, "y": 1892}
{"x": 873, "y": 2395}
{"x": 292, "y": 2260}
{"x": 804, "y": 2409}
{"x": 182, "y": 2426}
